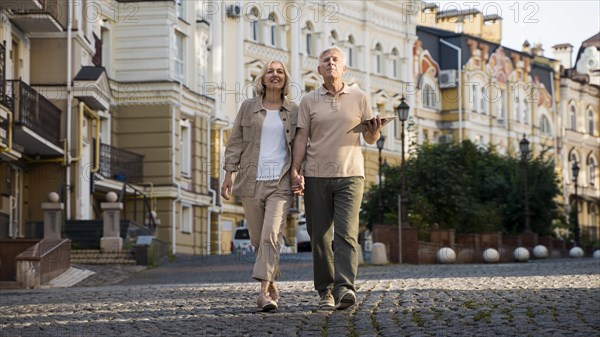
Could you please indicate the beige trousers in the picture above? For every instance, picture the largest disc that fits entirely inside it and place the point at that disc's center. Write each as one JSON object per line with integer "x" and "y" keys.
{"x": 266, "y": 214}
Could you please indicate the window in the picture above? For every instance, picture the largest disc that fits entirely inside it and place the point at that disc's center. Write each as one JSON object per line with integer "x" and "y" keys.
{"x": 525, "y": 103}
{"x": 591, "y": 164}
{"x": 517, "y": 106}
{"x": 186, "y": 219}
{"x": 474, "y": 97}
{"x": 428, "y": 96}
{"x": 350, "y": 51}
{"x": 545, "y": 126}
{"x": 179, "y": 55}
{"x": 572, "y": 118}
{"x": 273, "y": 29}
{"x": 590, "y": 116}
{"x": 309, "y": 43}
{"x": 378, "y": 59}
{"x": 395, "y": 58}
{"x": 334, "y": 38}
{"x": 502, "y": 105}
{"x": 253, "y": 19}
{"x": 483, "y": 107}
{"x": 185, "y": 147}
{"x": 251, "y": 90}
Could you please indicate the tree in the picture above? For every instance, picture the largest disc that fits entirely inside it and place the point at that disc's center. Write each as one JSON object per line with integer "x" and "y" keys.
{"x": 469, "y": 188}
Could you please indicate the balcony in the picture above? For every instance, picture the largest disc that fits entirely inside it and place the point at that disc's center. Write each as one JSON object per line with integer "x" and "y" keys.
{"x": 121, "y": 165}
{"x": 22, "y": 5}
{"x": 36, "y": 121}
{"x": 37, "y": 16}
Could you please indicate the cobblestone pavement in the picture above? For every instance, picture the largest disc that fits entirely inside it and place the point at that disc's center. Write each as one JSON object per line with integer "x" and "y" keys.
{"x": 214, "y": 297}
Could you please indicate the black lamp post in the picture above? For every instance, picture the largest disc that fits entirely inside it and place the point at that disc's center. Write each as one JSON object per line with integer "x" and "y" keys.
{"x": 402, "y": 111}
{"x": 524, "y": 147}
{"x": 575, "y": 169}
{"x": 380, "y": 143}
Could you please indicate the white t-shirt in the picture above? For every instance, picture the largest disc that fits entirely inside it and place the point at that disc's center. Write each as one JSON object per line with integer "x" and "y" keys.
{"x": 271, "y": 158}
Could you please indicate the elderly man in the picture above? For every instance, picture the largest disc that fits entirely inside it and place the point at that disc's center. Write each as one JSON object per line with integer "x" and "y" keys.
{"x": 332, "y": 177}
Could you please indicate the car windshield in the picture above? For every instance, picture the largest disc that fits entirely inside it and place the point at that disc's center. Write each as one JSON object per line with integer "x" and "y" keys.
{"x": 242, "y": 234}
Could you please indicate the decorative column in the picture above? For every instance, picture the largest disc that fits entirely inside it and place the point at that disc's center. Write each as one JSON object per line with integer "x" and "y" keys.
{"x": 111, "y": 241}
{"x": 53, "y": 218}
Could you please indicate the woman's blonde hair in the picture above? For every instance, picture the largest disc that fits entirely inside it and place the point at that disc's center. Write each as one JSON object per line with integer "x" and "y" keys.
{"x": 259, "y": 85}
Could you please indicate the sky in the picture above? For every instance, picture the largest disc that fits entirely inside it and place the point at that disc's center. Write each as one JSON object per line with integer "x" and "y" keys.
{"x": 547, "y": 21}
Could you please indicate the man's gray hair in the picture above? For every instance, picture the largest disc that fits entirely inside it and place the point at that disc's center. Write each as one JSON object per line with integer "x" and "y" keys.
{"x": 336, "y": 48}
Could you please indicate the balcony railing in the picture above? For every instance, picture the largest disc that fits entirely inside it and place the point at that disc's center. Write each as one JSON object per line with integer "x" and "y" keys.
{"x": 3, "y": 73}
{"x": 121, "y": 165}
{"x": 33, "y": 110}
{"x": 37, "y": 15}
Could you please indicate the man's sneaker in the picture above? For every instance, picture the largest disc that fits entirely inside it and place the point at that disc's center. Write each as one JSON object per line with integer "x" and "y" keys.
{"x": 347, "y": 299}
{"x": 265, "y": 303}
{"x": 273, "y": 293}
{"x": 327, "y": 301}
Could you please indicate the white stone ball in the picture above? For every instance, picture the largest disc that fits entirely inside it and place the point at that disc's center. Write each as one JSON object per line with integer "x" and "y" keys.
{"x": 53, "y": 197}
{"x": 521, "y": 254}
{"x": 540, "y": 252}
{"x": 446, "y": 255}
{"x": 491, "y": 255}
{"x": 576, "y": 252}
{"x": 597, "y": 254}
{"x": 111, "y": 197}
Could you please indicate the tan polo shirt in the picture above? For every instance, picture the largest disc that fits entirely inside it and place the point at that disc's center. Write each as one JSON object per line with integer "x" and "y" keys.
{"x": 331, "y": 152}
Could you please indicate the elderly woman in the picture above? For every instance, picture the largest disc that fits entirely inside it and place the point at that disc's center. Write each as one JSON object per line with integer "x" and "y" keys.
{"x": 259, "y": 152}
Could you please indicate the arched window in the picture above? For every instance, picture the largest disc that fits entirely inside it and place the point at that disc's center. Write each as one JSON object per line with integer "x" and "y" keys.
{"x": 273, "y": 29}
{"x": 350, "y": 51}
{"x": 378, "y": 59}
{"x": 253, "y": 18}
{"x": 545, "y": 126}
{"x": 395, "y": 62}
{"x": 590, "y": 121}
{"x": 483, "y": 101}
{"x": 309, "y": 38}
{"x": 573, "y": 118}
{"x": 428, "y": 96}
{"x": 334, "y": 38}
{"x": 592, "y": 166}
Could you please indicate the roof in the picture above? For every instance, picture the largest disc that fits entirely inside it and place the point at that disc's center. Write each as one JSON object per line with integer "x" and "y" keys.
{"x": 592, "y": 41}
{"x": 562, "y": 45}
{"x": 88, "y": 73}
{"x": 455, "y": 12}
{"x": 492, "y": 17}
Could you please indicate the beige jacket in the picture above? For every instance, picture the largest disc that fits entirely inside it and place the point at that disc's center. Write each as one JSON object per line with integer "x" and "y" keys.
{"x": 243, "y": 146}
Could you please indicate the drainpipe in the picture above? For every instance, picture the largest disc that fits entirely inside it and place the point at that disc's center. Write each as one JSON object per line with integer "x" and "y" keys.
{"x": 212, "y": 192}
{"x": 458, "y": 67}
{"x": 69, "y": 111}
{"x": 221, "y": 130}
{"x": 174, "y": 181}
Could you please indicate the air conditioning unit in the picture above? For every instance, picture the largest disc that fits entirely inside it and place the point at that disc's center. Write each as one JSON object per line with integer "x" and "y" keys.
{"x": 447, "y": 78}
{"x": 446, "y": 139}
{"x": 234, "y": 11}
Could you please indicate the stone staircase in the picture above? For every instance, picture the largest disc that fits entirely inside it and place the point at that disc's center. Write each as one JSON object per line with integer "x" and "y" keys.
{"x": 95, "y": 256}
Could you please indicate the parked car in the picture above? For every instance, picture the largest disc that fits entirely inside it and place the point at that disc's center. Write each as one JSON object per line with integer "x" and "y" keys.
{"x": 241, "y": 243}
{"x": 302, "y": 237}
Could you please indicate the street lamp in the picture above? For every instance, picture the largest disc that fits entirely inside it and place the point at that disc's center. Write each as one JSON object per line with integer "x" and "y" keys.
{"x": 575, "y": 169}
{"x": 380, "y": 143}
{"x": 402, "y": 111}
{"x": 524, "y": 146}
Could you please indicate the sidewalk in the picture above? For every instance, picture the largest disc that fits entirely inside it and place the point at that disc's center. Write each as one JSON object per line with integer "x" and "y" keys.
{"x": 215, "y": 297}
